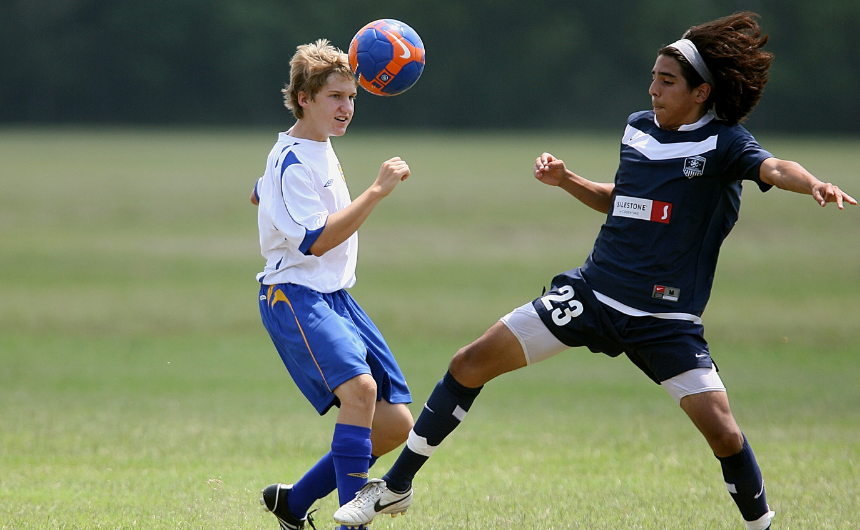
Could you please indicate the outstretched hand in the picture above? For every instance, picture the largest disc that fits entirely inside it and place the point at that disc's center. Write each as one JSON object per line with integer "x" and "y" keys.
{"x": 825, "y": 192}
{"x": 791, "y": 176}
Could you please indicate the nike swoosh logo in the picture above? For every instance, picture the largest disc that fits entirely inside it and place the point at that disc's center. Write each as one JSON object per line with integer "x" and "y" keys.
{"x": 759, "y": 493}
{"x": 406, "y": 53}
{"x": 379, "y": 507}
{"x": 701, "y": 355}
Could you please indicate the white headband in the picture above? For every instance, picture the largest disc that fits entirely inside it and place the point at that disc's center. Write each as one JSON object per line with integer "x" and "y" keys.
{"x": 686, "y": 48}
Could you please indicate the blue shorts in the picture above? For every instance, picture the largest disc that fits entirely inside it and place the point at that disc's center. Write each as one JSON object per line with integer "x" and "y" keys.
{"x": 660, "y": 347}
{"x": 326, "y": 339}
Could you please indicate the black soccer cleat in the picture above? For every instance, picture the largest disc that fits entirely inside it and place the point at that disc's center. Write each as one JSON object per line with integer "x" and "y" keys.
{"x": 275, "y": 500}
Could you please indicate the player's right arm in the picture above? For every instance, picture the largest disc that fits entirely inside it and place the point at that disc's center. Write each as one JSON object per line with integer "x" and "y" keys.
{"x": 342, "y": 224}
{"x": 552, "y": 171}
{"x": 255, "y": 193}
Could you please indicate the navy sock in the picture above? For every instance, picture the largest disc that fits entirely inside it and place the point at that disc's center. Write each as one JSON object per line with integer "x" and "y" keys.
{"x": 350, "y": 450}
{"x": 743, "y": 479}
{"x": 445, "y": 409}
{"x": 317, "y": 483}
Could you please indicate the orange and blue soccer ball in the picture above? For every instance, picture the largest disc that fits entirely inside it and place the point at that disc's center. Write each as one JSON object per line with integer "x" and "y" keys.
{"x": 387, "y": 57}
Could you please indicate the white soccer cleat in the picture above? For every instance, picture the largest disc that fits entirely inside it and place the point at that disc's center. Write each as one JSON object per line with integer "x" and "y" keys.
{"x": 371, "y": 500}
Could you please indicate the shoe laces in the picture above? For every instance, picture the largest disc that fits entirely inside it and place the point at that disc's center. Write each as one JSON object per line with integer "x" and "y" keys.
{"x": 367, "y": 491}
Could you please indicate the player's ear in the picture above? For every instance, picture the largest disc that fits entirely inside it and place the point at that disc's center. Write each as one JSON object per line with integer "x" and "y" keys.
{"x": 702, "y": 92}
{"x": 303, "y": 99}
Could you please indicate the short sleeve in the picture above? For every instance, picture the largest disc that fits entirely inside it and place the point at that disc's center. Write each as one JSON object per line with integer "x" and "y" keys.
{"x": 745, "y": 157}
{"x": 301, "y": 200}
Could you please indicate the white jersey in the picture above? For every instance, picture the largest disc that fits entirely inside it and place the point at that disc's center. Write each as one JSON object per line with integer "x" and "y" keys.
{"x": 303, "y": 185}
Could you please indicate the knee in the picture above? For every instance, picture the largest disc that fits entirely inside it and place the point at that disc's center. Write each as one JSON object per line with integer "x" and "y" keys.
{"x": 359, "y": 392}
{"x": 464, "y": 365}
{"x": 711, "y": 414}
{"x": 460, "y": 361}
{"x": 728, "y": 442}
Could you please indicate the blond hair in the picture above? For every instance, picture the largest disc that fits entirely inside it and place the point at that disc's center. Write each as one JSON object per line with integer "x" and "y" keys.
{"x": 310, "y": 69}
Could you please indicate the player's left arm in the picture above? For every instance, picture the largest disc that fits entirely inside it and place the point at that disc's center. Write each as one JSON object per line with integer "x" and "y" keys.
{"x": 791, "y": 176}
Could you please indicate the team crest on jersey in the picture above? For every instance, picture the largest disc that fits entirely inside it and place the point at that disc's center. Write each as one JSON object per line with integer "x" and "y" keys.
{"x": 694, "y": 166}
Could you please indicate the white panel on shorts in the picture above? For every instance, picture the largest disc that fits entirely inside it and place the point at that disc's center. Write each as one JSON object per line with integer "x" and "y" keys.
{"x": 694, "y": 381}
{"x": 536, "y": 339}
{"x": 539, "y": 344}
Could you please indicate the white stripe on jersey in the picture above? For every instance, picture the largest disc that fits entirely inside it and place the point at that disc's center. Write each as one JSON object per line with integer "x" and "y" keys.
{"x": 633, "y": 312}
{"x": 654, "y": 150}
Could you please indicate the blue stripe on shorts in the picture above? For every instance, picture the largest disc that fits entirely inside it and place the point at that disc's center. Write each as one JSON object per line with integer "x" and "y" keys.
{"x": 326, "y": 339}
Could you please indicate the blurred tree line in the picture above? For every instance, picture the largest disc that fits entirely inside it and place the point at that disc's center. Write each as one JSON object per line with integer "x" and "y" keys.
{"x": 490, "y": 63}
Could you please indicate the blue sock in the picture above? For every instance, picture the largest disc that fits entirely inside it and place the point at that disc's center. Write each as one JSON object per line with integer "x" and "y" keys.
{"x": 743, "y": 479}
{"x": 445, "y": 409}
{"x": 317, "y": 483}
{"x": 350, "y": 450}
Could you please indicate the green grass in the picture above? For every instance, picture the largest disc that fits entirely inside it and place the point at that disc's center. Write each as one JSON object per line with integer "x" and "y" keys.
{"x": 139, "y": 390}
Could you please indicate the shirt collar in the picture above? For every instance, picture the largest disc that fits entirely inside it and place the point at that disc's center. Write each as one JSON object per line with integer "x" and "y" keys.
{"x": 704, "y": 120}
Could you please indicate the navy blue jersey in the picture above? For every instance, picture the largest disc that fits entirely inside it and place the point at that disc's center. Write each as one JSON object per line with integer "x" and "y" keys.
{"x": 677, "y": 195}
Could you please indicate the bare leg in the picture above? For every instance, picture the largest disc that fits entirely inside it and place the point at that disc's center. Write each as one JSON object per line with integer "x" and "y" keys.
{"x": 711, "y": 414}
{"x": 391, "y": 425}
{"x": 496, "y": 352}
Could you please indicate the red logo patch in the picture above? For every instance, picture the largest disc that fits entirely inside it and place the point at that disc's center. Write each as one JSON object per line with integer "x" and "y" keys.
{"x": 661, "y": 212}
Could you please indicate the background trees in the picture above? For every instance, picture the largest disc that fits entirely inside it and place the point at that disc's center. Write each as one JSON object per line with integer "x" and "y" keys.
{"x": 490, "y": 63}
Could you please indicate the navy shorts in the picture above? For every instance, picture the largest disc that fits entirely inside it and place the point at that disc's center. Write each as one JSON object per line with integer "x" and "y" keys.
{"x": 660, "y": 347}
{"x": 326, "y": 339}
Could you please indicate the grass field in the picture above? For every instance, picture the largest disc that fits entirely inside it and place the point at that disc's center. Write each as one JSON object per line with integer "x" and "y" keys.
{"x": 139, "y": 390}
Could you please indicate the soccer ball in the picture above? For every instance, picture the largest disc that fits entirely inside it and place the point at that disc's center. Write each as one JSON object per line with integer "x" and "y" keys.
{"x": 387, "y": 57}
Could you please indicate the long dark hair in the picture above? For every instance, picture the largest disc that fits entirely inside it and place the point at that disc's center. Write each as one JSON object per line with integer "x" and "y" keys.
{"x": 731, "y": 48}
